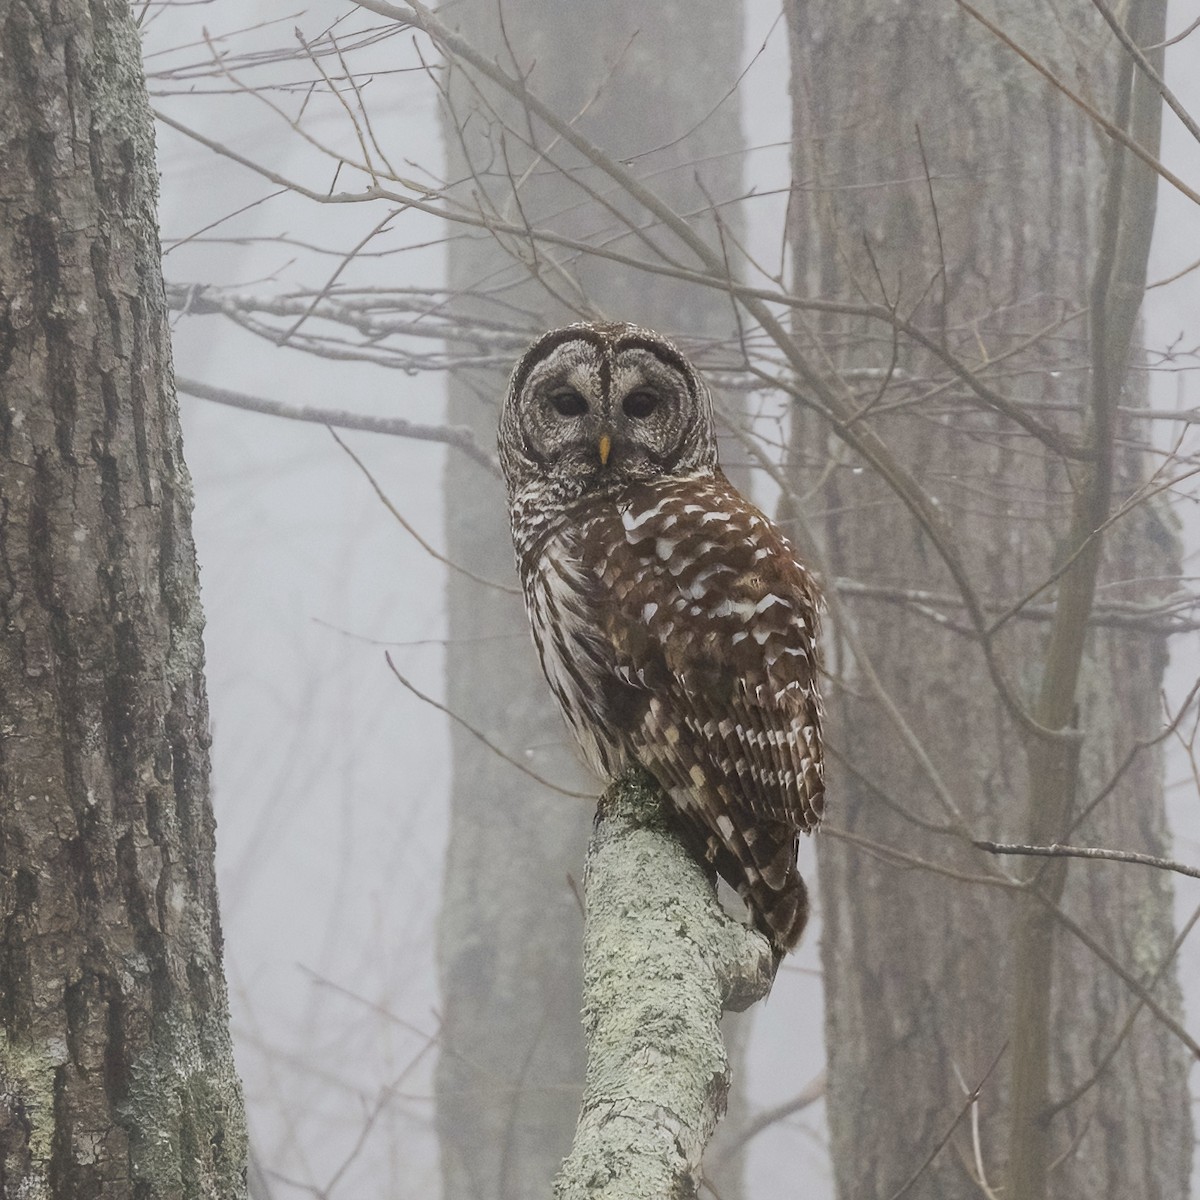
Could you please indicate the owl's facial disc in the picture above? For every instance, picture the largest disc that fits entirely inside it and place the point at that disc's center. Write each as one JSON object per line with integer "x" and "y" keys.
{"x": 608, "y": 412}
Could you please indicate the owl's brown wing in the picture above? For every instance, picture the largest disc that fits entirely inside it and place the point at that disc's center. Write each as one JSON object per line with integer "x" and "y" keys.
{"x": 714, "y": 628}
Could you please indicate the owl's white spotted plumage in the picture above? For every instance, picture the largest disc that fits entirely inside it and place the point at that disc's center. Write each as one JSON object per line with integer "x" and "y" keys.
{"x": 674, "y": 623}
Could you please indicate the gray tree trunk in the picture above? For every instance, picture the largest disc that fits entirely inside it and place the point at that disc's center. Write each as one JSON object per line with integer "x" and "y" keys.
{"x": 116, "y": 1074}
{"x": 511, "y": 1067}
{"x": 919, "y": 969}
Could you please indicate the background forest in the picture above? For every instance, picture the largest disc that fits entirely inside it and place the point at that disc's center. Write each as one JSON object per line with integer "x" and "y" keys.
{"x": 942, "y": 269}
{"x": 371, "y": 848}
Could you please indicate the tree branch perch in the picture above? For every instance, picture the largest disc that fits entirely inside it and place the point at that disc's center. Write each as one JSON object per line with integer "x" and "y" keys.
{"x": 662, "y": 961}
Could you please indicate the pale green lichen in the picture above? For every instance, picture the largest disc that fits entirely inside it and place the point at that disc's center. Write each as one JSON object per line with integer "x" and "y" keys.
{"x": 27, "y": 1089}
{"x": 662, "y": 960}
{"x": 184, "y": 1110}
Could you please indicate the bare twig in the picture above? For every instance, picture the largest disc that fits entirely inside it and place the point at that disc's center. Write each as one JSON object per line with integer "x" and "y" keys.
{"x": 1147, "y": 69}
{"x": 1056, "y": 851}
{"x": 436, "y": 554}
{"x": 1083, "y": 1088}
{"x": 449, "y": 435}
{"x": 1114, "y": 131}
{"x": 972, "y": 1099}
{"x": 1130, "y": 980}
{"x": 484, "y": 739}
{"x": 808, "y": 1095}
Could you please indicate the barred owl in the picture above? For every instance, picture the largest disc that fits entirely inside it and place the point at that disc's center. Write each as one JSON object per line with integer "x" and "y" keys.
{"x": 674, "y": 624}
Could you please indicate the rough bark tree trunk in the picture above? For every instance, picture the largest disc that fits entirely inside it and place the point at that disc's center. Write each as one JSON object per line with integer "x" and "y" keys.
{"x": 116, "y": 1074}
{"x": 511, "y": 1065}
{"x": 919, "y": 970}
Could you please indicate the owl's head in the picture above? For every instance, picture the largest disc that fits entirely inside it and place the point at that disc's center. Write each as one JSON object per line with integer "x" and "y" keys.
{"x": 594, "y": 407}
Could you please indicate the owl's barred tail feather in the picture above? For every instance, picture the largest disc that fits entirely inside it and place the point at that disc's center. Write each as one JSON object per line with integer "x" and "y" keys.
{"x": 780, "y": 914}
{"x": 762, "y": 870}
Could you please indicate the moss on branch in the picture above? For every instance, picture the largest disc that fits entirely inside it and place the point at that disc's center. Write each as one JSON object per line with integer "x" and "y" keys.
{"x": 662, "y": 961}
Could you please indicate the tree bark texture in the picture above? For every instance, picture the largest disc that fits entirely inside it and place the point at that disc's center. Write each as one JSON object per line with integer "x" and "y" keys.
{"x": 511, "y": 1066}
{"x": 116, "y": 1073}
{"x": 661, "y": 961}
{"x": 960, "y": 187}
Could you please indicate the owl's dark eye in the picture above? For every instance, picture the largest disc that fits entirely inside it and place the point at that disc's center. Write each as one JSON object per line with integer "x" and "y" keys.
{"x": 640, "y": 404}
{"x": 569, "y": 404}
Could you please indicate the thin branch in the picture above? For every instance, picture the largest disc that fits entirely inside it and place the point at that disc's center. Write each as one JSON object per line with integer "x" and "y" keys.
{"x": 1179, "y": 37}
{"x": 1056, "y": 851}
{"x": 436, "y": 554}
{"x": 1130, "y": 980}
{"x": 1147, "y": 69}
{"x": 459, "y": 437}
{"x": 1083, "y": 1088}
{"x": 812, "y": 1091}
{"x": 1165, "y": 617}
{"x": 900, "y": 858}
{"x": 480, "y": 737}
{"x": 1087, "y": 543}
{"x": 972, "y": 1100}
{"x": 1137, "y": 748}
{"x": 1114, "y": 131}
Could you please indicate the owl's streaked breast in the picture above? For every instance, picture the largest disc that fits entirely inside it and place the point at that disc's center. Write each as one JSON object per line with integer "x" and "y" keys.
{"x": 561, "y": 599}
{"x": 681, "y": 586}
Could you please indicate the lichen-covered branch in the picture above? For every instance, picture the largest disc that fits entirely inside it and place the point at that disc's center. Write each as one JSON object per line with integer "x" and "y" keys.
{"x": 662, "y": 960}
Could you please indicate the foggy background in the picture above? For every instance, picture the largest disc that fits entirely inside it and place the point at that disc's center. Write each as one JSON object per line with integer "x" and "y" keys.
{"x": 330, "y": 780}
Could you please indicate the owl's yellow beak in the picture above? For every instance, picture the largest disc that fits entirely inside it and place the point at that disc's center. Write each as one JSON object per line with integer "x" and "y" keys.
{"x": 605, "y": 449}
